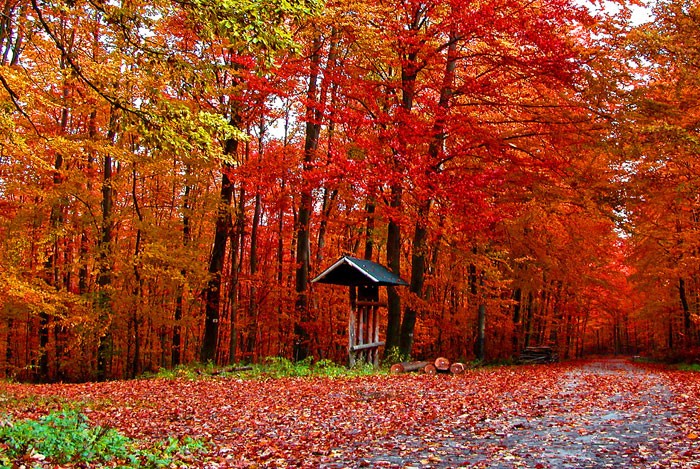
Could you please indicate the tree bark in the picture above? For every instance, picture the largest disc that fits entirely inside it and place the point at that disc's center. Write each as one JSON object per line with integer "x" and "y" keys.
{"x": 104, "y": 276}
{"x": 393, "y": 259}
{"x": 237, "y": 242}
{"x": 176, "y": 351}
{"x": 216, "y": 262}
{"x": 418, "y": 267}
{"x": 302, "y": 346}
{"x": 481, "y": 333}
{"x": 686, "y": 308}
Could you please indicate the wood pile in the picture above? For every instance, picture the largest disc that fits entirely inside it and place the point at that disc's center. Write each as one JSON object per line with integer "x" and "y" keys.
{"x": 534, "y": 355}
{"x": 440, "y": 365}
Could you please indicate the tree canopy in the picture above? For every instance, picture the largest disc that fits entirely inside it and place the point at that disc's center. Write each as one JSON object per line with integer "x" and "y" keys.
{"x": 172, "y": 175}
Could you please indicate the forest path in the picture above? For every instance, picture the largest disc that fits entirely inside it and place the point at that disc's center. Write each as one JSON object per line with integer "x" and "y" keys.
{"x": 604, "y": 413}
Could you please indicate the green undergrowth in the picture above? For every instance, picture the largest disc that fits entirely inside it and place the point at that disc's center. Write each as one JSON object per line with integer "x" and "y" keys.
{"x": 688, "y": 366}
{"x": 271, "y": 367}
{"x": 66, "y": 438}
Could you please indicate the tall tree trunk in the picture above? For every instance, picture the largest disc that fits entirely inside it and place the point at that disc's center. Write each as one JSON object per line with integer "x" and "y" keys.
{"x": 177, "y": 348}
{"x": 138, "y": 289}
{"x": 418, "y": 268}
{"x": 517, "y": 325}
{"x": 476, "y": 280}
{"x": 253, "y": 306}
{"x": 234, "y": 276}
{"x": 370, "y": 207}
{"x": 527, "y": 327}
{"x": 56, "y": 218}
{"x": 481, "y": 332}
{"x": 104, "y": 276}
{"x": 302, "y": 346}
{"x": 393, "y": 260}
{"x": 687, "y": 324}
{"x": 420, "y": 237}
{"x": 216, "y": 262}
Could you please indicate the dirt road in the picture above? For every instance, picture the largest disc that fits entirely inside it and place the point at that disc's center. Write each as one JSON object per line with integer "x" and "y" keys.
{"x": 606, "y": 413}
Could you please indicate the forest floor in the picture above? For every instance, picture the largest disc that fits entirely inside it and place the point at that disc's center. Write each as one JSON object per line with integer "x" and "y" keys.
{"x": 602, "y": 413}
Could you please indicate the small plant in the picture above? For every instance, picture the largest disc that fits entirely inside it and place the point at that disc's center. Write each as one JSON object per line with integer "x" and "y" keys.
{"x": 63, "y": 437}
{"x": 394, "y": 355}
{"x": 66, "y": 437}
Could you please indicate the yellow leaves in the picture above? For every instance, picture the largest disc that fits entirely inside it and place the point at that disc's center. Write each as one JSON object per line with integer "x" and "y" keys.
{"x": 19, "y": 295}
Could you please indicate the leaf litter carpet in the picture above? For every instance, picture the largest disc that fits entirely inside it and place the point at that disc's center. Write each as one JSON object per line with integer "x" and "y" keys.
{"x": 596, "y": 414}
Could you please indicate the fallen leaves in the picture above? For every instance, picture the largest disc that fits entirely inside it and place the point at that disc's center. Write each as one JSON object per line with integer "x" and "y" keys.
{"x": 521, "y": 416}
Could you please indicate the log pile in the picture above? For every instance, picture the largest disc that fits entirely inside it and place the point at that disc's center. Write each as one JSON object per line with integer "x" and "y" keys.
{"x": 440, "y": 365}
{"x": 534, "y": 355}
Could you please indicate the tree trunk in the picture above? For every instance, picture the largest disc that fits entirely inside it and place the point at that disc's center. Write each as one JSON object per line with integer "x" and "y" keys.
{"x": 138, "y": 289}
{"x": 517, "y": 326}
{"x": 527, "y": 327}
{"x": 216, "y": 262}
{"x": 481, "y": 333}
{"x": 176, "y": 352}
{"x": 302, "y": 346}
{"x": 418, "y": 267}
{"x": 420, "y": 248}
{"x": 236, "y": 236}
{"x": 370, "y": 207}
{"x": 253, "y": 297}
{"x": 104, "y": 276}
{"x": 393, "y": 259}
{"x": 687, "y": 324}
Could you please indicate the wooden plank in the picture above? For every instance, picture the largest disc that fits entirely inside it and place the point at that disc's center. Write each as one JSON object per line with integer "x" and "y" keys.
{"x": 378, "y": 304}
{"x": 356, "y": 348}
{"x": 361, "y": 330}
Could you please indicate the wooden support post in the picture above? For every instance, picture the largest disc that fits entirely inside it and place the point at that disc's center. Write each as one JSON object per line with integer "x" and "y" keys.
{"x": 375, "y": 313}
{"x": 351, "y": 338}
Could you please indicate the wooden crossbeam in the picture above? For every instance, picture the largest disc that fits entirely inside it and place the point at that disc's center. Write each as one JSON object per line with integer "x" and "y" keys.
{"x": 356, "y": 348}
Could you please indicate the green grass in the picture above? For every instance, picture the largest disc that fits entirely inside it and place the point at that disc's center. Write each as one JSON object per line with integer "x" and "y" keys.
{"x": 278, "y": 367}
{"x": 66, "y": 437}
{"x": 271, "y": 367}
{"x": 688, "y": 366}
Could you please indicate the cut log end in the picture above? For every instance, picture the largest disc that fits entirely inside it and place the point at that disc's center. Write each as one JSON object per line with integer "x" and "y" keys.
{"x": 457, "y": 368}
{"x": 442, "y": 363}
{"x": 430, "y": 369}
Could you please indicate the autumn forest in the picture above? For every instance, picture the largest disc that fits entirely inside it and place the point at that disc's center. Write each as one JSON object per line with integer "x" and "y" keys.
{"x": 174, "y": 173}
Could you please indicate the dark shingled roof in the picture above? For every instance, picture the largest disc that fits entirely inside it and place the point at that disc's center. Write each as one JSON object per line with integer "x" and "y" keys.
{"x": 352, "y": 271}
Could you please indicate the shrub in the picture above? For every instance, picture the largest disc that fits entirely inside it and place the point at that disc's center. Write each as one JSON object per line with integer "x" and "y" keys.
{"x": 66, "y": 437}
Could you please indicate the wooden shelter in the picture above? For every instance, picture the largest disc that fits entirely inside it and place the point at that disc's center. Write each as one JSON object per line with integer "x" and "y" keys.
{"x": 364, "y": 278}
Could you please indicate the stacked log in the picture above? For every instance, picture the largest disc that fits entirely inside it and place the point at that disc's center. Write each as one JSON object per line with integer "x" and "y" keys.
{"x": 533, "y": 355}
{"x": 439, "y": 365}
{"x": 442, "y": 364}
{"x": 407, "y": 367}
